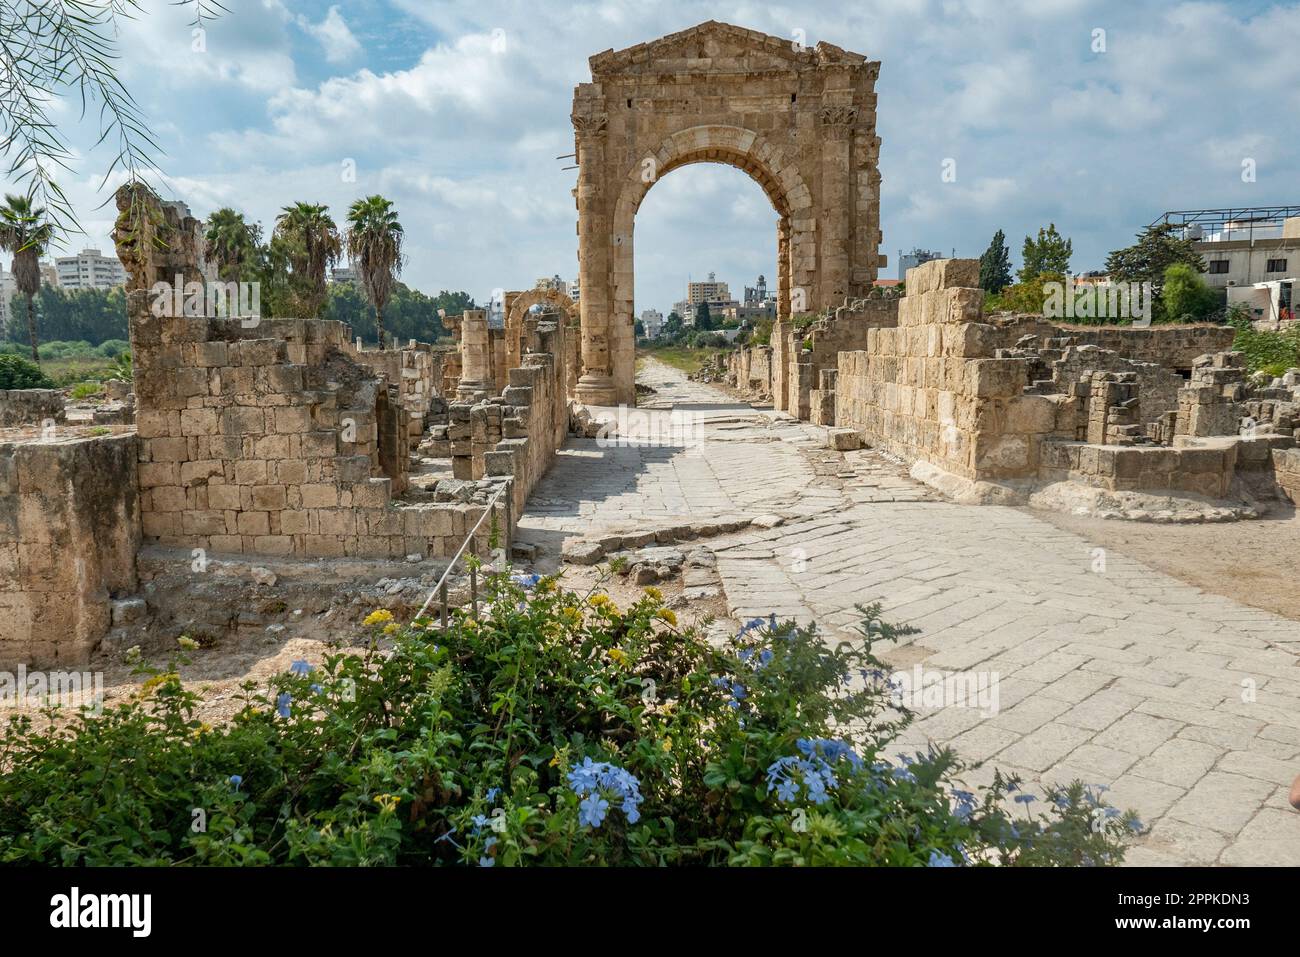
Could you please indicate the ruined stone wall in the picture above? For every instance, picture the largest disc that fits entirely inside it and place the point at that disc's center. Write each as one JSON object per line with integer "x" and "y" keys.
{"x": 1198, "y": 471}
{"x": 843, "y": 331}
{"x": 1286, "y": 468}
{"x": 30, "y": 406}
{"x": 1158, "y": 386}
{"x": 930, "y": 389}
{"x": 417, "y": 373}
{"x": 69, "y": 532}
{"x": 1173, "y": 347}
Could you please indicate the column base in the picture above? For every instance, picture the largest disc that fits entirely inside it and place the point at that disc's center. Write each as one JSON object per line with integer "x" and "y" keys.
{"x": 596, "y": 389}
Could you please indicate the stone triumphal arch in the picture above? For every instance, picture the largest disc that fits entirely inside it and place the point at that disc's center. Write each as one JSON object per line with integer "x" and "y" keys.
{"x": 800, "y": 120}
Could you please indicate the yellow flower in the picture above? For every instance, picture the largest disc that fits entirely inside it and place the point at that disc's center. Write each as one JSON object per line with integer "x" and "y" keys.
{"x": 654, "y": 593}
{"x": 668, "y": 615}
{"x": 618, "y": 656}
{"x": 600, "y": 600}
{"x": 388, "y": 802}
{"x": 555, "y": 760}
{"x": 668, "y": 744}
{"x": 186, "y": 642}
{"x": 202, "y": 729}
{"x": 390, "y": 629}
{"x": 378, "y": 617}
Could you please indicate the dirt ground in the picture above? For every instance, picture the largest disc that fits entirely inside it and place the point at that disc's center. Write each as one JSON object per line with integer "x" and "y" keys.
{"x": 1254, "y": 562}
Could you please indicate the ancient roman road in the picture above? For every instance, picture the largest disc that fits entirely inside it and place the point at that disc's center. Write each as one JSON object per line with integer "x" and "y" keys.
{"x": 1186, "y": 705}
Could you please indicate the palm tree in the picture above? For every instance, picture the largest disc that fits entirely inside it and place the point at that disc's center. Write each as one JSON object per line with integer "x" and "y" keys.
{"x": 232, "y": 244}
{"x": 25, "y": 232}
{"x": 375, "y": 248}
{"x": 313, "y": 245}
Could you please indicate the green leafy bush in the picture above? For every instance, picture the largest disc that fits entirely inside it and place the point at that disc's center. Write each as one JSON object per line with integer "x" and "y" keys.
{"x": 1269, "y": 352}
{"x": 19, "y": 373}
{"x": 556, "y": 730}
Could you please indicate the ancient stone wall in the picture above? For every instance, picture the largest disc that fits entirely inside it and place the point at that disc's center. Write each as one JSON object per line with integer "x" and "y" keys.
{"x": 30, "y": 407}
{"x": 69, "y": 532}
{"x": 816, "y": 349}
{"x": 931, "y": 390}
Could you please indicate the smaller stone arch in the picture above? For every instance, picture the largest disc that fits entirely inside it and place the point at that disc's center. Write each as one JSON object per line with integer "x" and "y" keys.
{"x": 517, "y": 305}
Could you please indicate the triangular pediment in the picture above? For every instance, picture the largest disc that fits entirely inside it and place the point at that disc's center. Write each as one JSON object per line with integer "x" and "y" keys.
{"x": 714, "y": 45}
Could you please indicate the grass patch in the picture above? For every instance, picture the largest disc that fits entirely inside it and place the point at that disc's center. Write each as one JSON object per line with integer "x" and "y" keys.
{"x": 680, "y": 357}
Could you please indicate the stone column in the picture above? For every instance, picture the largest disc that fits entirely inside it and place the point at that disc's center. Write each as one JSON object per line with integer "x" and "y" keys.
{"x": 783, "y": 268}
{"x": 596, "y": 387}
{"x": 833, "y": 260}
{"x": 475, "y": 361}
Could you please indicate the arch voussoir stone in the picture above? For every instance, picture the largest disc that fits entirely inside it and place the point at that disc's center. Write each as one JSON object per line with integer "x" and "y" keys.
{"x": 791, "y": 119}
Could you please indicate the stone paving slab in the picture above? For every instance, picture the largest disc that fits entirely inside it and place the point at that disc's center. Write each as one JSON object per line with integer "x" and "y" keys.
{"x": 1186, "y": 705}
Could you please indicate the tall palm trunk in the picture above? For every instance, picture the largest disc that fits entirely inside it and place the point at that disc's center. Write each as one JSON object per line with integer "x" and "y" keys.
{"x": 379, "y": 325}
{"x": 31, "y": 329}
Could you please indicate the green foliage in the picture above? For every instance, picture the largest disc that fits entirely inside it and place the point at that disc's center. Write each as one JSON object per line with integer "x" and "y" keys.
{"x": 1186, "y": 296}
{"x": 1049, "y": 253}
{"x": 307, "y": 240}
{"x": 995, "y": 264}
{"x": 84, "y": 390}
{"x": 1270, "y": 352}
{"x": 703, "y": 318}
{"x": 1147, "y": 260}
{"x": 410, "y": 314}
{"x": 558, "y": 730}
{"x": 1026, "y": 296}
{"x": 19, "y": 373}
{"x": 374, "y": 244}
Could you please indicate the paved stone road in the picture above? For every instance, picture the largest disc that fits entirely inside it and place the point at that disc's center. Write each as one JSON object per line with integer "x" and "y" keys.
{"x": 1187, "y": 705}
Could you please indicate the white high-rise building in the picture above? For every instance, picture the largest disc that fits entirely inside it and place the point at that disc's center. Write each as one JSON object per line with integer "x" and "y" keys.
{"x": 90, "y": 269}
{"x": 652, "y": 323}
{"x": 8, "y": 298}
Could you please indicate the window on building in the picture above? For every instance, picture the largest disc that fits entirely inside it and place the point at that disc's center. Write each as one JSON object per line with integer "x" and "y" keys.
{"x": 1276, "y": 265}
{"x": 1218, "y": 266}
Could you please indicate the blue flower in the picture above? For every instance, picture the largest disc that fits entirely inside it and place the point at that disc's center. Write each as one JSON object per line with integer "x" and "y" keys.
{"x": 591, "y": 812}
{"x": 1025, "y": 798}
{"x": 316, "y": 688}
{"x": 940, "y": 859}
{"x": 526, "y": 581}
{"x": 282, "y": 704}
{"x": 597, "y": 782}
{"x": 236, "y": 780}
{"x": 300, "y": 667}
{"x": 491, "y": 795}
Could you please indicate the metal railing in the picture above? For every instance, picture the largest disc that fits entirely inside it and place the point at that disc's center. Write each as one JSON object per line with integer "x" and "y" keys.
{"x": 440, "y": 589}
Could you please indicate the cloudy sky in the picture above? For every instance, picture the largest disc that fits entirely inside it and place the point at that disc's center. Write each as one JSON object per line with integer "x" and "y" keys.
{"x": 457, "y": 110}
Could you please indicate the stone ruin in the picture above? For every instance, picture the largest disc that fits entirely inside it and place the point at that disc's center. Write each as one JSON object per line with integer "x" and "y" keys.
{"x": 1160, "y": 423}
{"x": 263, "y": 450}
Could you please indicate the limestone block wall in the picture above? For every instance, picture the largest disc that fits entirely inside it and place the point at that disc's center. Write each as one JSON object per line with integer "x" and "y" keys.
{"x": 243, "y": 449}
{"x": 417, "y": 375}
{"x": 1286, "y": 468}
{"x": 30, "y": 406}
{"x": 843, "y": 331}
{"x": 69, "y": 532}
{"x": 1173, "y": 347}
{"x": 930, "y": 389}
{"x": 1199, "y": 471}
{"x": 1158, "y": 386}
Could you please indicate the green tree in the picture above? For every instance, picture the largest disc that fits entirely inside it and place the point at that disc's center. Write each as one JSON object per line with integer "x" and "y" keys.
{"x": 1050, "y": 252}
{"x": 25, "y": 232}
{"x": 703, "y": 318}
{"x": 995, "y": 265}
{"x": 310, "y": 242}
{"x": 1186, "y": 296}
{"x": 233, "y": 244}
{"x": 673, "y": 325}
{"x": 374, "y": 243}
{"x": 1157, "y": 248}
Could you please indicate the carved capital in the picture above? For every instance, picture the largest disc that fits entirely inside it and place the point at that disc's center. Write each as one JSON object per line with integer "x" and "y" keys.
{"x": 590, "y": 124}
{"x": 844, "y": 116}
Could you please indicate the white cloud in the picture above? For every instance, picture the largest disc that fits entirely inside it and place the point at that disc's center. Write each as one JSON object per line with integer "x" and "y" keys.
{"x": 335, "y": 38}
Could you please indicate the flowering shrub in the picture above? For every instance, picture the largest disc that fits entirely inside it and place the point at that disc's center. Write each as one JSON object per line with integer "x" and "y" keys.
{"x": 556, "y": 729}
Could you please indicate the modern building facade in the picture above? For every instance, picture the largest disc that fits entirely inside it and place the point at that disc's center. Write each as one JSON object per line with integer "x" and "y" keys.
{"x": 89, "y": 269}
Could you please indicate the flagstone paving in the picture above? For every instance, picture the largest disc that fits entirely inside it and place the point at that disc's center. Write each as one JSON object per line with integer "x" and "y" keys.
{"x": 1185, "y": 704}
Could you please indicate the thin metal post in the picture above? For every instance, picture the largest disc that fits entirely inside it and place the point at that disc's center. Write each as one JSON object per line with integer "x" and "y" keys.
{"x": 442, "y": 594}
{"x": 473, "y": 589}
